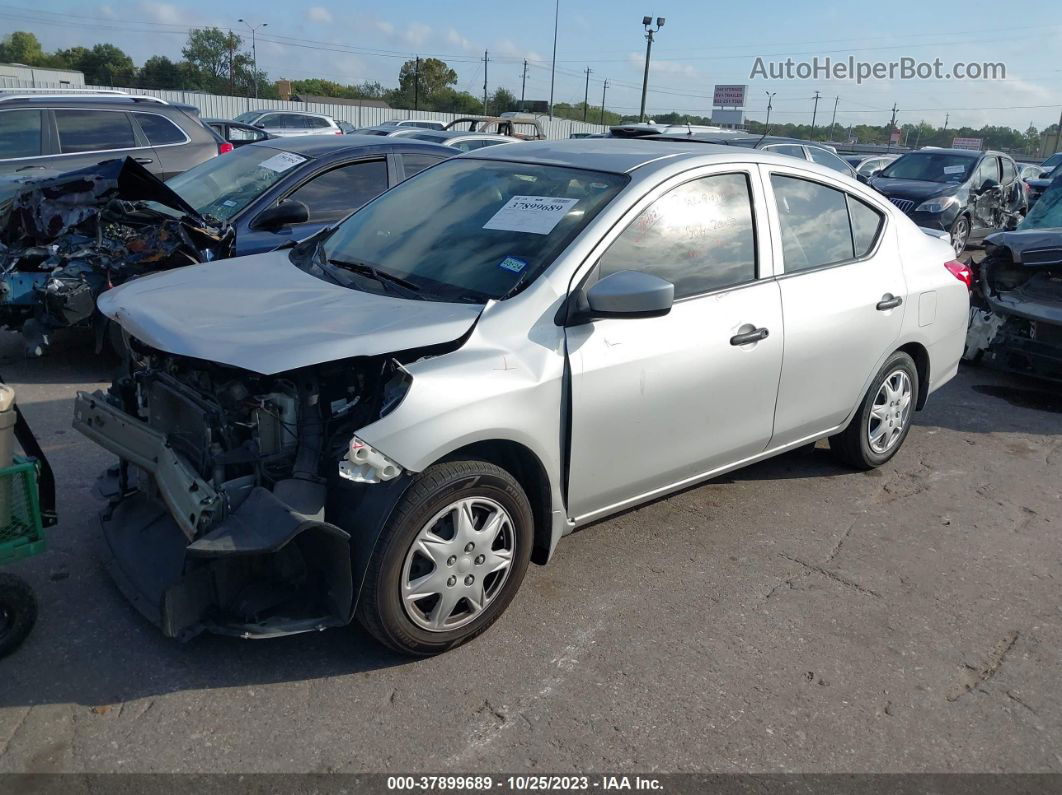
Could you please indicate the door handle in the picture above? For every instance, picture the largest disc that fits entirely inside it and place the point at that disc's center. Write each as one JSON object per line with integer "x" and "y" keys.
{"x": 750, "y": 336}
{"x": 889, "y": 301}
{"x": 144, "y": 161}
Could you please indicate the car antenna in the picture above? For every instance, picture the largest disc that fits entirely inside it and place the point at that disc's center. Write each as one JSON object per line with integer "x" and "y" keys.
{"x": 767, "y": 124}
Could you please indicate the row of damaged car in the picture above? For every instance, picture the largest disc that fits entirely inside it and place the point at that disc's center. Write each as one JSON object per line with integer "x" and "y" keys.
{"x": 67, "y": 237}
{"x": 1016, "y": 302}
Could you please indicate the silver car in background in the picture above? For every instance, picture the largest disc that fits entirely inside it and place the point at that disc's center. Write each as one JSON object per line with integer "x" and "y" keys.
{"x": 390, "y": 420}
{"x": 287, "y": 123}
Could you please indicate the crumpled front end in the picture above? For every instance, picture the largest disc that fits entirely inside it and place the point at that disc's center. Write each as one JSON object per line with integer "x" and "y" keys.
{"x": 228, "y": 511}
{"x": 1016, "y": 314}
{"x": 65, "y": 239}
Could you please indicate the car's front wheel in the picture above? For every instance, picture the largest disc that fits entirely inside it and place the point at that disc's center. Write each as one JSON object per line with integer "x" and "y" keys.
{"x": 960, "y": 234}
{"x": 450, "y": 559}
{"x": 883, "y": 420}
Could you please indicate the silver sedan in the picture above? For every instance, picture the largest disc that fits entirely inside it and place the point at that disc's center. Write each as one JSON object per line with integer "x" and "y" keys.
{"x": 510, "y": 344}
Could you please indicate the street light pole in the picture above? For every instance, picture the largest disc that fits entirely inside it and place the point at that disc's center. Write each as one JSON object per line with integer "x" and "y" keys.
{"x": 254, "y": 51}
{"x": 586, "y": 94}
{"x": 647, "y": 23}
{"x": 553, "y": 70}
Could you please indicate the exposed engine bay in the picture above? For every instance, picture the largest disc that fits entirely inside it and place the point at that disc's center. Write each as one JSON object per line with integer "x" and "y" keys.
{"x": 65, "y": 239}
{"x": 229, "y": 509}
{"x": 1016, "y": 310}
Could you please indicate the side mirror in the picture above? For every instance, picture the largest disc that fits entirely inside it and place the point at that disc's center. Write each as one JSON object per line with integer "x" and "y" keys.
{"x": 630, "y": 294}
{"x": 876, "y": 172}
{"x": 259, "y": 124}
{"x": 987, "y": 185}
{"x": 288, "y": 212}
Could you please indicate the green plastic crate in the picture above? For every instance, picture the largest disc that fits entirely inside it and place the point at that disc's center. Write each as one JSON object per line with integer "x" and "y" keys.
{"x": 22, "y": 534}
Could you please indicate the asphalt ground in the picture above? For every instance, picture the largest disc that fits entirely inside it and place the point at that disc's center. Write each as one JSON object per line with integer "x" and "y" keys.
{"x": 793, "y": 616}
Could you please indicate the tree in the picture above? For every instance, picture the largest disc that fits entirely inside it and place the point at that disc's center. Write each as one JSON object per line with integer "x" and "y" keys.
{"x": 107, "y": 65}
{"x": 215, "y": 62}
{"x": 423, "y": 86}
{"x": 503, "y": 100}
{"x": 160, "y": 72}
{"x": 21, "y": 47}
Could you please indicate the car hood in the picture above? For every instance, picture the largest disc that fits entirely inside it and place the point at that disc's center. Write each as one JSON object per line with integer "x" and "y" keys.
{"x": 1033, "y": 247}
{"x": 913, "y": 189}
{"x": 262, "y": 313}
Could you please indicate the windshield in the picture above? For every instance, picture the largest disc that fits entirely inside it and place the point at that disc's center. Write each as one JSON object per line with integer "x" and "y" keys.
{"x": 224, "y": 185}
{"x": 472, "y": 229}
{"x": 1051, "y": 162}
{"x": 931, "y": 167}
{"x": 247, "y": 117}
{"x": 1047, "y": 212}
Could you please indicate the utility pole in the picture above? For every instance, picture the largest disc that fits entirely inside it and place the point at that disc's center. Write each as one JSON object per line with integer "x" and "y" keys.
{"x": 416, "y": 85}
{"x": 647, "y": 23}
{"x": 486, "y": 60}
{"x": 815, "y": 113}
{"x": 947, "y": 116}
{"x": 523, "y": 87}
{"x": 586, "y": 95}
{"x": 553, "y": 70}
{"x": 892, "y": 124}
{"x": 921, "y": 124}
{"x": 833, "y": 121}
{"x": 770, "y": 104}
{"x": 232, "y": 75}
{"x": 254, "y": 50}
{"x": 604, "y": 87}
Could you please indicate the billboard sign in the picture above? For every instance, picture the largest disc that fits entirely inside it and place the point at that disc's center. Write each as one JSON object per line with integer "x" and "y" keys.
{"x": 967, "y": 143}
{"x": 729, "y": 96}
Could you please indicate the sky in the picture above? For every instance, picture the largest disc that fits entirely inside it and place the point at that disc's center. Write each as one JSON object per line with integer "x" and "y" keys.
{"x": 700, "y": 45}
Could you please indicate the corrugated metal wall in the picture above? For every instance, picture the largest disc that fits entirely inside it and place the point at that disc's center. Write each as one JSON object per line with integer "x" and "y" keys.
{"x": 224, "y": 107}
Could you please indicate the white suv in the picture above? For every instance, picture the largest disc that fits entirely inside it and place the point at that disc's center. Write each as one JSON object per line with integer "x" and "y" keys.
{"x": 286, "y": 123}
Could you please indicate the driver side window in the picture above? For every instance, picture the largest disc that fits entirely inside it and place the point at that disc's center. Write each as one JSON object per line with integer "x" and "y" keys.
{"x": 698, "y": 236}
{"x": 989, "y": 169}
{"x": 342, "y": 190}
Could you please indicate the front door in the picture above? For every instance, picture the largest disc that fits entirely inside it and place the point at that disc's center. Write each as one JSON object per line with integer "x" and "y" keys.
{"x": 658, "y": 401}
{"x": 987, "y": 204}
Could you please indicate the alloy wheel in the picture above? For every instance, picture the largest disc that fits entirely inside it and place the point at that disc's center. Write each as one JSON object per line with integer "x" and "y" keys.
{"x": 959, "y": 235}
{"x": 458, "y": 564}
{"x": 890, "y": 413}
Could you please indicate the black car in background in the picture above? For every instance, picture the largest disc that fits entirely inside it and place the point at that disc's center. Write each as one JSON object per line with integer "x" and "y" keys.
{"x": 1035, "y": 186}
{"x": 236, "y": 132}
{"x": 965, "y": 193}
{"x": 276, "y": 191}
{"x": 67, "y": 132}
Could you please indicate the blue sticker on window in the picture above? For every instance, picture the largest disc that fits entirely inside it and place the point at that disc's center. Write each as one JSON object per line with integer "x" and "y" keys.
{"x": 512, "y": 264}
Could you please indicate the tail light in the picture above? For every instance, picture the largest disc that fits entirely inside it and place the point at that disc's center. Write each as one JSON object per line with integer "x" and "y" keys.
{"x": 338, "y": 132}
{"x": 225, "y": 147}
{"x": 961, "y": 271}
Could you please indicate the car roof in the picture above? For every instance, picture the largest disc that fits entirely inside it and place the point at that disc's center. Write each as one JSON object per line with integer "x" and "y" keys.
{"x": 324, "y": 145}
{"x": 618, "y": 155}
{"x": 443, "y": 135}
{"x": 945, "y": 150}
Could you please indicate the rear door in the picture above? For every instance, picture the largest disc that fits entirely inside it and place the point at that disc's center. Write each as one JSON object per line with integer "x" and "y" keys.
{"x": 843, "y": 296}
{"x": 167, "y": 141}
{"x": 330, "y": 195}
{"x": 23, "y": 137}
{"x": 87, "y": 136}
{"x": 660, "y": 401}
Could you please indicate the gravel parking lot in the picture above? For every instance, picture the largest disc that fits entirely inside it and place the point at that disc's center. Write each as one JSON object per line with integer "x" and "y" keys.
{"x": 795, "y": 616}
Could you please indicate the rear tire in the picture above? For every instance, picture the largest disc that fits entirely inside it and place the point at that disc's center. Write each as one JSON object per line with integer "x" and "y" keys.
{"x": 18, "y": 612}
{"x": 450, "y": 559}
{"x": 883, "y": 420}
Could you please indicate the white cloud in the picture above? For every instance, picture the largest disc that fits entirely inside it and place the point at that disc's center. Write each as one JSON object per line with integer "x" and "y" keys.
{"x": 456, "y": 39}
{"x": 106, "y": 11}
{"x": 162, "y": 12}
{"x": 384, "y": 27}
{"x": 417, "y": 33}
{"x": 318, "y": 14}
{"x": 659, "y": 67}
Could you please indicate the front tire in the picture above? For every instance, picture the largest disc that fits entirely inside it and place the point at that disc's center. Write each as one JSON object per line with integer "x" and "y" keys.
{"x": 18, "y": 612}
{"x": 450, "y": 559}
{"x": 960, "y": 235}
{"x": 880, "y": 426}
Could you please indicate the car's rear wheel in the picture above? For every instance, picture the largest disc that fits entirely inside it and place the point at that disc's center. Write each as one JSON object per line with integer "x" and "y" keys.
{"x": 960, "y": 234}
{"x": 883, "y": 420}
{"x": 450, "y": 559}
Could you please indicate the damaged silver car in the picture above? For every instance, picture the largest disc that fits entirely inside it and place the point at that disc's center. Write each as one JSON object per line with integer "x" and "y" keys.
{"x": 388, "y": 421}
{"x": 1016, "y": 312}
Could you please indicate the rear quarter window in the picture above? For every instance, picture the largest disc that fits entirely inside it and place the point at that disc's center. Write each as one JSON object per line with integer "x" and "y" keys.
{"x": 20, "y": 133}
{"x": 159, "y": 130}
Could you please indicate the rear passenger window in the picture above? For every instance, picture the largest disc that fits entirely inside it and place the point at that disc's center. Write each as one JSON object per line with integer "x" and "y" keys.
{"x": 94, "y": 130}
{"x": 160, "y": 130}
{"x": 814, "y": 223}
{"x": 20, "y": 133}
{"x": 866, "y": 221}
{"x": 829, "y": 159}
{"x": 417, "y": 162}
{"x": 699, "y": 236}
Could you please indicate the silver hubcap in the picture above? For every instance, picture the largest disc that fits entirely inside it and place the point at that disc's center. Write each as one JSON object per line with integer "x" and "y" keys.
{"x": 958, "y": 237}
{"x": 458, "y": 564}
{"x": 890, "y": 413}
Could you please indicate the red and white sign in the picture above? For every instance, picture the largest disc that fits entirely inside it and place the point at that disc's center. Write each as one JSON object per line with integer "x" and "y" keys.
{"x": 729, "y": 96}
{"x": 894, "y": 136}
{"x": 967, "y": 143}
